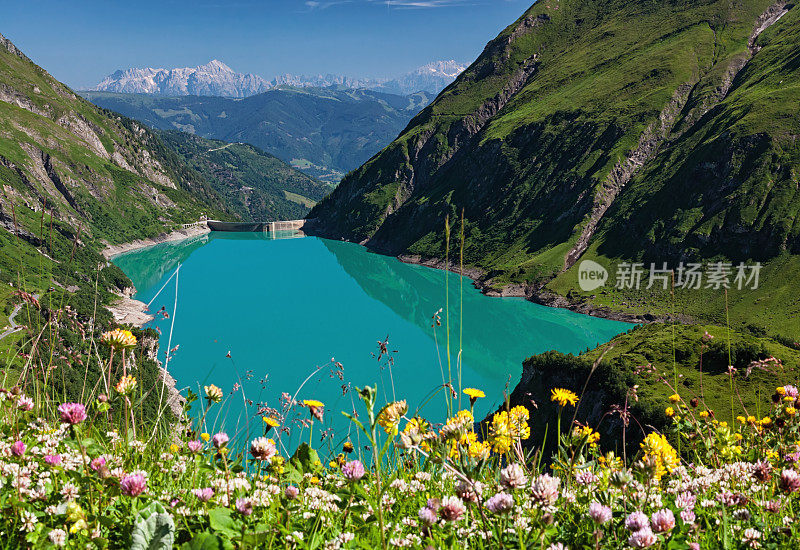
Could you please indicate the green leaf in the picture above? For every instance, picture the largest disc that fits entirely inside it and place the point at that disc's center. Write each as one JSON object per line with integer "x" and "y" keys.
{"x": 306, "y": 459}
{"x": 154, "y": 529}
{"x": 207, "y": 541}
{"x": 221, "y": 521}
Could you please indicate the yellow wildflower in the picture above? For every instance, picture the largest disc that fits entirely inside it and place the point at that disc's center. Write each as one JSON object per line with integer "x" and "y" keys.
{"x": 703, "y": 414}
{"x": 751, "y": 419}
{"x": 315, "y": 408}
{"x": 674, "y": 398}
{"x": 314, "y": 480}
{"x": 119, "y": 339}
{"x": 790, "y": 411}
{"x": 473, "y": 394}
{"x": 657, "y": 448}
{"x": 563, "y": 397}
{"x": 669, "y": 411}
{"x": 519, "y": 422}
{"x": 270, "y": 422}
{"x": 417, "y": 432}
{"x": 780, "y": 390}
{"x": 500, "y": 433}
{"x": 390, "y": 416}
{"x": 277, "y": 464}
{"x": 213, "y": 393}
{"x": 766, "y": 421}
{"x": 479, "y": 450}
{"x": 741, "y": 419}
{"x": 457, "y": 425}
{"x": 205, "y": 437}
{"x": 737, "y": 436}
{"x": 126, "y": 385}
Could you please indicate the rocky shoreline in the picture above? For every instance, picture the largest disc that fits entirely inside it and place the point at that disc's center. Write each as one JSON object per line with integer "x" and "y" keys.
{"x": 128, "y": 310}
{"x": 177, "y": 235}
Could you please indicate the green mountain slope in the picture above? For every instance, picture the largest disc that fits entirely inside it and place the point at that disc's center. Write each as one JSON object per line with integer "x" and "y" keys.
{"x": 253, "y": 184}
{"x": 605, "y": 129}
{"x": 75, "y": 178}
{"x": 324, "y": 132}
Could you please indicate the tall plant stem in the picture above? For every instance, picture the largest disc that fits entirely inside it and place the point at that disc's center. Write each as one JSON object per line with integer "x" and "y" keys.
{"x": 447, "y": 306}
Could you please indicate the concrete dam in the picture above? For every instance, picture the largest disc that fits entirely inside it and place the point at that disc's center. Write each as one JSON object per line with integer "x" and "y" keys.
{"x": 251, "y": 227}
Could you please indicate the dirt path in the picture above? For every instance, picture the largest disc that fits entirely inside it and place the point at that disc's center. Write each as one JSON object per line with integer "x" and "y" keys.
{"x": 13, "y": 326}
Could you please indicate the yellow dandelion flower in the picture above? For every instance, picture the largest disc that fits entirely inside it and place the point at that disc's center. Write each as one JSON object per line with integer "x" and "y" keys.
{"x": 271, "y": 422}
{"x": 315, "y": 408}
{"x": 563, "y": 397}
{"x": 474, "y": 393}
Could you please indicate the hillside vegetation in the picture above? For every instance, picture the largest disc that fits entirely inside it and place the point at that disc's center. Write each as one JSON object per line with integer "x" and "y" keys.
{"x": 609, "y": 129}
{"x": 324, "y": 132}
{"x": 254, "y": 185}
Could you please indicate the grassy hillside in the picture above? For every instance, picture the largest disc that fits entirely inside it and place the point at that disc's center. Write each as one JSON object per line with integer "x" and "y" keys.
{"x": 602, "y": 129}
{"x": 323, "y": 132}
{"x": 74, "y": 179}
{"x": 253, "y": 184}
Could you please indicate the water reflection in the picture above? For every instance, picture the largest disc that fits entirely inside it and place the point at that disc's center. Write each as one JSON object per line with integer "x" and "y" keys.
{"x": 282, "y": 306}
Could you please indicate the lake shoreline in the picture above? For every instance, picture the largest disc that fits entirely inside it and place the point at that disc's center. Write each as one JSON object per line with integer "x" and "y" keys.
{"x": 178, "y": 235}
{"x": 530, "y": 292}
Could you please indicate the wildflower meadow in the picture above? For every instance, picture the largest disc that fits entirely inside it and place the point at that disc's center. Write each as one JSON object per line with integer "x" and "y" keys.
{"x": 92, "y": 474}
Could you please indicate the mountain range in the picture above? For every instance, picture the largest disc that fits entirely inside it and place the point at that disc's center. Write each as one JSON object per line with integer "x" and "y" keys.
{"x": 217, "y": 79}
{"x": 325, "y": 132}
{"x": 610, "y": 130}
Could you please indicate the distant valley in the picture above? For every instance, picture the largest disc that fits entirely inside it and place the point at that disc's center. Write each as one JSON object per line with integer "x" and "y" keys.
{"x": 323, "y": 132}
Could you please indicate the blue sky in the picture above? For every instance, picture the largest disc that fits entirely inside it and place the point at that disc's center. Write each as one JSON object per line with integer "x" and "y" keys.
{"x": 79, "y": 42}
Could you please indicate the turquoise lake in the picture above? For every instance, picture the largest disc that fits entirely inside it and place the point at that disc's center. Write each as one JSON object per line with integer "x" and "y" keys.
{"x": 287, "y": 308}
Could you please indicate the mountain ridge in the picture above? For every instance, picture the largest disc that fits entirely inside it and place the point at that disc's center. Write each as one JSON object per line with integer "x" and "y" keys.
{"x": 550, "y": 139}
{"x": 217, "y": 79}
{"x": 325, "y": 132}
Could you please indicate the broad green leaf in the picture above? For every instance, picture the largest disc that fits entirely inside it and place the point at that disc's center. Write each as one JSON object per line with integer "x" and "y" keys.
{"x": 154, "y": 529}
{"x": 207, "y": 541}
{"x": 221, "y": 521}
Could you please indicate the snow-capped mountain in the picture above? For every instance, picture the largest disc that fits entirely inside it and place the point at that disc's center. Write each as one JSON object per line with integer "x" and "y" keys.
{"x": 433, "y": 77}
{"x": 217, "y": 79}
{"x": 214, "y": 78}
